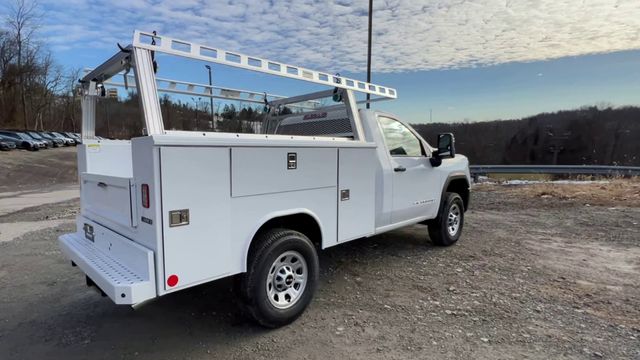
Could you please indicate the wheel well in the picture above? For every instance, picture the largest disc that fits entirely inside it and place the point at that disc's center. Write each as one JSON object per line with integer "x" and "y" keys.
{"x": 461, "y": 187}
{"x": 301, "y": 222}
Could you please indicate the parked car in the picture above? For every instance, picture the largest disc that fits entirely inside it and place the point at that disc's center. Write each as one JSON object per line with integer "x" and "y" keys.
{"x": 40, "y": 141}
{"x": 37, "y": 136}
{"x": 7, "y": 144}
{"x": 74, "y": 136}
{"x": 67, "y": 140}
{"x": 56, "y": 141}
{"x": 22, "y": 140}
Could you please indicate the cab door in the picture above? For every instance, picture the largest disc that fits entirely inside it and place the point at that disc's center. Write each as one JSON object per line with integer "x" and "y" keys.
{"x": 415, "y": 181}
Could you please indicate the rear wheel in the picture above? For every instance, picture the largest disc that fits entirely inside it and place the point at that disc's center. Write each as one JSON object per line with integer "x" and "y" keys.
{"x": 281, "y": 277}
{"x": 445, "y": 230}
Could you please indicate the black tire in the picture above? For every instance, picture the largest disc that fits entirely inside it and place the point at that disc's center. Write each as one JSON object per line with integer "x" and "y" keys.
{"x": 270, "y": 246}
{"x": 438, "y": 228}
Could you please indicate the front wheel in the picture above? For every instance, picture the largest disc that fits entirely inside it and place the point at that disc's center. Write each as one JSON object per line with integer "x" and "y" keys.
{"x": 281, "y": 277}
{"x": 445, "y": 230}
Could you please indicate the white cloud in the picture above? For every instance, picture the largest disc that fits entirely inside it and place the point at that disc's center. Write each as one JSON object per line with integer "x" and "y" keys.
{"x": 408, "y": 35}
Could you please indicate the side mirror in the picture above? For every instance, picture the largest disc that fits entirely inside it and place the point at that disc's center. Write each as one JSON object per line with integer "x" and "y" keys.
{"x": 446, "y": 147}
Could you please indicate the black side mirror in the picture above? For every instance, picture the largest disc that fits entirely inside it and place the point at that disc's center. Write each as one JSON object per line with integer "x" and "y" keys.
{"x": 446, "y": 147}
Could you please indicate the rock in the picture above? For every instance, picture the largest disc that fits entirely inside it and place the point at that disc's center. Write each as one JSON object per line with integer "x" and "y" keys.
{"x": 451, "y": 288}
{"x": 597, "y": 354}
{"x": 484, "y": 339}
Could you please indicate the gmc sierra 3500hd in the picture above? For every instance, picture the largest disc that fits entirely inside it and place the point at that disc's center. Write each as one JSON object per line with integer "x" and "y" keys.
{"x": 174, "y": 209}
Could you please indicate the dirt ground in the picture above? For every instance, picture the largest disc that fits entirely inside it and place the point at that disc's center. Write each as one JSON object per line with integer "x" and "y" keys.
{"x": 22, "y": 170}
{"x": 542, "y": 271}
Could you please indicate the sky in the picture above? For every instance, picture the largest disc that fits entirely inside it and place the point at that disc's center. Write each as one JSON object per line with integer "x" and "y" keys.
{"x": 450, "y": 60}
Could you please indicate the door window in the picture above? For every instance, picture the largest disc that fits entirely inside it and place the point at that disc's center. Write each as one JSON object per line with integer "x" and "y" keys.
{"x": 399, "y": 139}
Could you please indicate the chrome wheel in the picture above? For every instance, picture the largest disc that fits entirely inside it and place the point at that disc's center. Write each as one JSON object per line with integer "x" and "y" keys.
{"x": 453, "y": 219}
{"x": 287, "y": 279}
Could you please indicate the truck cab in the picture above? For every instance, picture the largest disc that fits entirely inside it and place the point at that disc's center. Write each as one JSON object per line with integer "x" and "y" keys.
{"x": 174, "y": 209}
{"x": 407, "y": 166}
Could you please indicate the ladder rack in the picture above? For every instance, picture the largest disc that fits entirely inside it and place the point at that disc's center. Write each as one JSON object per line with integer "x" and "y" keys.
{"x": 208, "y": 91}
{"x": 168, "y": 45}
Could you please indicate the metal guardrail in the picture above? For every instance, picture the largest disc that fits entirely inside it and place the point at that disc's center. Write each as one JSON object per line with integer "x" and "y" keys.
{"x": 555, "y": 169}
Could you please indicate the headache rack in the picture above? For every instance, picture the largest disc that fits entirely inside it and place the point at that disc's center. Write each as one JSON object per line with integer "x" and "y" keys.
{"x": 140, "y": 56}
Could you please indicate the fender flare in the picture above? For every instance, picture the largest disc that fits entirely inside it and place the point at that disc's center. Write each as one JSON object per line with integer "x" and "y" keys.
{"x": 450, "y": 178}
{"x": 273, "y": 215}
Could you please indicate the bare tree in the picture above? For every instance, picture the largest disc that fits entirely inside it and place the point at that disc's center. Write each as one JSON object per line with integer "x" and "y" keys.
{"x": 69, "y": 100}
{"x": 45, "y": 83}
{"x": 22, "y": 20}
{"x": 7, "y": 71}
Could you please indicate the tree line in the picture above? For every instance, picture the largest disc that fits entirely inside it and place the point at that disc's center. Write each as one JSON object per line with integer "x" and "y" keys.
{"x": 35, "y": 91}
{"x": 589, "y": 136}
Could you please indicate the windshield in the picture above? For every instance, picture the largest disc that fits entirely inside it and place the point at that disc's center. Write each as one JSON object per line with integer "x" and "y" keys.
{"x": 24, "y": 136}
{"x": 35, "y": 135}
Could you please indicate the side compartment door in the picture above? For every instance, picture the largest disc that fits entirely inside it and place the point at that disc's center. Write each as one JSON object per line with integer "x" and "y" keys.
{"x": 195, "y": 214}
{"x": 415, "y": 182}
{"x": 356, "y": 193}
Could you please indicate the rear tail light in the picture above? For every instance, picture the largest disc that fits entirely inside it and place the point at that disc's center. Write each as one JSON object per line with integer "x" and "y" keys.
{"x": 145, "y": 196}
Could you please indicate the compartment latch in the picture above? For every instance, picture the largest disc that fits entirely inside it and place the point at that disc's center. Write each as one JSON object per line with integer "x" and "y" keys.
{"x": 178, "y": 217}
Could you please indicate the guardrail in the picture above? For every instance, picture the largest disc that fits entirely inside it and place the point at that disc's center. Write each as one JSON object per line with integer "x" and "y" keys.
{"x": 477, "y": 170}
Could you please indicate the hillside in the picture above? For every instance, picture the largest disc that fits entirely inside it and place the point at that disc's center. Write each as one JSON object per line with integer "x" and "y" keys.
{"x": 583, "y": 136}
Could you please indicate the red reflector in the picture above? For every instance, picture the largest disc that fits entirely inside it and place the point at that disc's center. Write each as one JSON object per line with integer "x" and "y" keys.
{"x": 172, "y": 280}
{"x": 145, "y": 196}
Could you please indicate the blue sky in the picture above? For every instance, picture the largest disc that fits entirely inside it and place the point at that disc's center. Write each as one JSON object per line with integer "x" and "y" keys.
{"x": 466, "y": 60}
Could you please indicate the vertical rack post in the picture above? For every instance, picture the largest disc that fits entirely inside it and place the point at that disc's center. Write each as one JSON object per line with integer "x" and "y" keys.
{"x": 148, "y": 91}
{"x": 354, "y": 115}
{"x": 88, "y": 104}
{"x": 369, "y": 51}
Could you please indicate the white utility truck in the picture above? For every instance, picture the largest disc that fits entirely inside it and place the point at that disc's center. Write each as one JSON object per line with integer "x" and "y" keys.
{"x": 174, "y": 209}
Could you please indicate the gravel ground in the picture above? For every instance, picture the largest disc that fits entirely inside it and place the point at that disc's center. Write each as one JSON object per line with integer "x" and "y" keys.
{"x": 534, "y": 276}
{"x": 23, "y": 170}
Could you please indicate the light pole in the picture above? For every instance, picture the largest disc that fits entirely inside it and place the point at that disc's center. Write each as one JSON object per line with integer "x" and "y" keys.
{"x": 196, "y": 102}
{"x": 213, "y": 122}
{"x": 369, "y": 51}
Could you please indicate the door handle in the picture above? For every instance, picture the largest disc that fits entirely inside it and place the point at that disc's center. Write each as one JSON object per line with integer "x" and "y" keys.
{"x": 400, "y": 169}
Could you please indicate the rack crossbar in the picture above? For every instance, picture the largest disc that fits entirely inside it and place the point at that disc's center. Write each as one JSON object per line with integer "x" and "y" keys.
{"x": 192, "y": 50}
{"x": 208, "y": 91}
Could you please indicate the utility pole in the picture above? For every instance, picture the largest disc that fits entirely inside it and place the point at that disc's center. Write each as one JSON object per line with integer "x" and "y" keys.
{"x": 369, "y": 51}
{"x": 213, "y": 121}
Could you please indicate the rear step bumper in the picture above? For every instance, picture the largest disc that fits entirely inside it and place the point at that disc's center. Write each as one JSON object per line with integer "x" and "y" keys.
{"x": 122, "y": 269}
